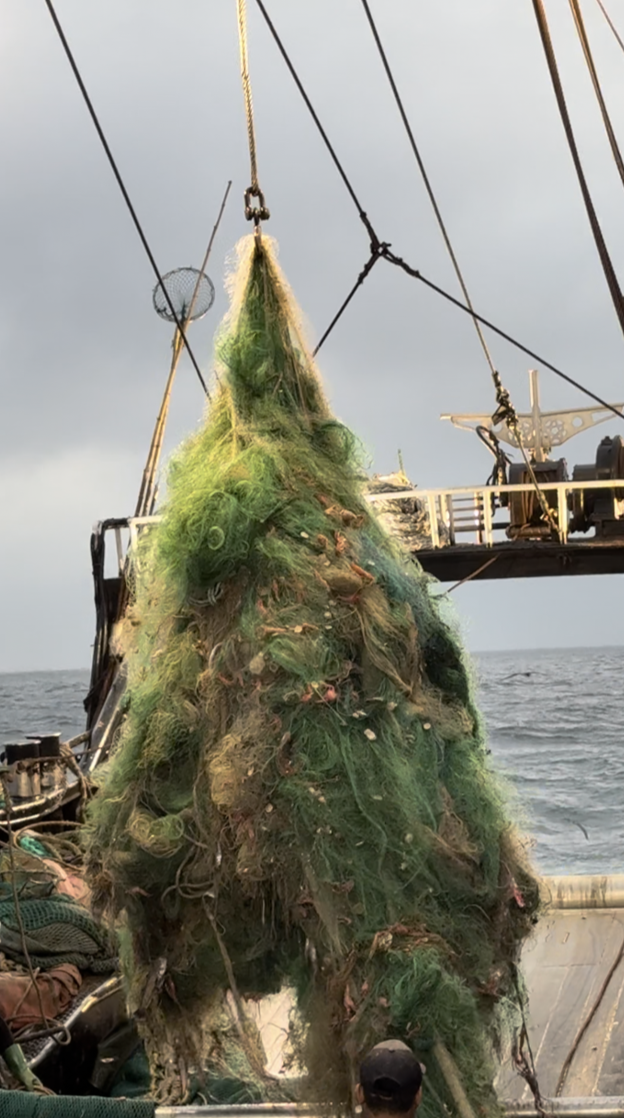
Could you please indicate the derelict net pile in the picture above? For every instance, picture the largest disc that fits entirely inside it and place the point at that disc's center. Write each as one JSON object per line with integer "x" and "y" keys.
{"x": 301, "y": 795}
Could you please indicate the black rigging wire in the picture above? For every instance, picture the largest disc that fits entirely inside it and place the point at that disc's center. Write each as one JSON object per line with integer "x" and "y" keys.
{"x": 394, "y": 259}
{"x": 310, "y": 107}
{"x": 370, "y": 263}
{"x": 582, "y": 34}
{"x": 425, "y": 176}
{"x": 382, "y": 249}
{"x": 505, "y": 411}
{"x": 611, "y": 23}
{"x": 605, "y": 259}
{"x": 122, "y": 187}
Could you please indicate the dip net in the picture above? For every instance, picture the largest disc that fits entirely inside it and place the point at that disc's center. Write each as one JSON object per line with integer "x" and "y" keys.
{"x": 301, "y": 795}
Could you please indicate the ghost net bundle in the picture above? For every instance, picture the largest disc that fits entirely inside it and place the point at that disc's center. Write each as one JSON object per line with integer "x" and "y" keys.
{"x": 301, "y": 796}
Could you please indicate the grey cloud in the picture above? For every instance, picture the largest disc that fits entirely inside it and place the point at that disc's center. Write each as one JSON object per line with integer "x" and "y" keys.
{"x": 82, "y": 355}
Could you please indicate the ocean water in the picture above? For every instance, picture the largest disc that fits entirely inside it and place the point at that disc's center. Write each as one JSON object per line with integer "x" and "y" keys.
{"x": 556, "y": 728}
{"x": 555, "y": 722}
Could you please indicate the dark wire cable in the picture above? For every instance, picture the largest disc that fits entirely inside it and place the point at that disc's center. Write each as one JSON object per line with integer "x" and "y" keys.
{"x": 121, "y": 185}
{"x": 394, "y": 259}
{"x": 341, "y": 171}
{"x": 603, "y": 253}
{"x": 605, "y": 13}
{"x": 593, "y": 73}
{"x": 384, "y": 249}
{"x": 370, "y": 263}
{"x": 425, "y": 176}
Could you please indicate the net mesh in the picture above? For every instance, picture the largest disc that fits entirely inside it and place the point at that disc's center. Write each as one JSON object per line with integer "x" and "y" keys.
{"x": 21, "y": 1104}
{"x": 302, "y": 794}
{"x": 56, "y": 931}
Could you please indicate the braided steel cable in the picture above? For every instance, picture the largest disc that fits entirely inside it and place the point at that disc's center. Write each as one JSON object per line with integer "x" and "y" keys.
{"x": 122, "y": 186}
{"x": 603, "y": 252}
{"x": 611, "y": 23}
{"x": 606, "y": 119}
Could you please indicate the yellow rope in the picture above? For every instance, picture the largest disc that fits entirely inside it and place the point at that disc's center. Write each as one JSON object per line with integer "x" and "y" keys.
{"x": 260, "y": 212}
{"x": 251, "y": 135}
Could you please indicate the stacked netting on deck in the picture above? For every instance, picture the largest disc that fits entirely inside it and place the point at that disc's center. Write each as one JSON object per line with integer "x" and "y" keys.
{"x": 301, "y": 795}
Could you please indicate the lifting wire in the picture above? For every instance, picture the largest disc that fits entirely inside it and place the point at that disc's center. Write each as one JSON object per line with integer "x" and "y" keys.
{"x": 384, "y": 248}
{"x": 425, "y": 178}
{"x": 605, "y": 259}
{"x": 341, "y": 171}
{"x": 260, "y": 212}
{"x": 394, "y": 259}
{"x": 370, "y": 263}
{"x": 505, "y": 411}
{"x": 582, "y": 34}
{"x": 611, "y": 23}
{"x": 122, "y": 187}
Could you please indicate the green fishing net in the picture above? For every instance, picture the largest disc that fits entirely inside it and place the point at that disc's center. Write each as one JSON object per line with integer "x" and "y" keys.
{"x": 21, "y": 1104}
{"x": 301, "y": 795}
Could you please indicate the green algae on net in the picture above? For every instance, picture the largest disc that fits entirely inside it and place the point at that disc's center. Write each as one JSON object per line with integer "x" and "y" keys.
{"x": 301, "y": 794}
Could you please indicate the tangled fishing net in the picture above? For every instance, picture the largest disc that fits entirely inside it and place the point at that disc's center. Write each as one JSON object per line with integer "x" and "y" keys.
{"x": 301, "y": 796}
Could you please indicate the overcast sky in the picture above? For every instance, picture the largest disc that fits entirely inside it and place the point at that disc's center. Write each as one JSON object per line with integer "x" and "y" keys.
{"x": 83, "y": 357}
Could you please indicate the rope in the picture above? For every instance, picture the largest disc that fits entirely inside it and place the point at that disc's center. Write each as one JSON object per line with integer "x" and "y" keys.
{"x": 582, "y": 34}
{"x": 341, "y": 171}
{"x": 526, "y": 1068}
{"x": 610, "y": 22}
{"x": 122, "y": 187}
{"x": 392, "y": 257}
{"x": 425, "y": 178}
{"x": 605, "y": 259}
{"x": 473, "y": 574}
{"x": 260, "y": 212}
{"x": 567, "y": 1063}
{"x": 374, "y": 257}
{"x": 384, "y": 248}
{"x": 400, "y": 263}
{"x": 505, "y": 409}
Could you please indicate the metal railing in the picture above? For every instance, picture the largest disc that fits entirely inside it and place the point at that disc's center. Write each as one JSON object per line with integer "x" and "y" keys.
{"x": 469, "y": 509}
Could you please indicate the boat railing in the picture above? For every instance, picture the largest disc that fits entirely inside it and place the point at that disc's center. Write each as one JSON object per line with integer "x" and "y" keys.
{"x": 470, "y": 511}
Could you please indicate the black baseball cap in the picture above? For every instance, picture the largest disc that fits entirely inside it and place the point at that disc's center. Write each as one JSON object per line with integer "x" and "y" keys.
{"x": 390, "y": 1077}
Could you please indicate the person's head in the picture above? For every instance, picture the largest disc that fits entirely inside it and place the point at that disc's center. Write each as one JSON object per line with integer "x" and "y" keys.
{"x": 390, "y": 1080}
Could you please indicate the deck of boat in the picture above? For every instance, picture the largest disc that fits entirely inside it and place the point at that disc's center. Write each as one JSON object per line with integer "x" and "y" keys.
{"x": 574, "y": 968}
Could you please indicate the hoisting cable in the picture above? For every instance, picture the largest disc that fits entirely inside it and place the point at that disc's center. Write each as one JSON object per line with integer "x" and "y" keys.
{"x": 341, "y": 171}
{"x": 611, "y": 23}
{"x": 126, "y": 197}
{"x": 398, "y": 260}
{"x": 425, "y": 177}
{"x": 370, "y": 263}
{"x": 260, "y": 212}
{"x": 605, "y": 259}
{"x": 582, "y": 34}
{"x": 505, "y": 411}
{"x": 387, "y": 254}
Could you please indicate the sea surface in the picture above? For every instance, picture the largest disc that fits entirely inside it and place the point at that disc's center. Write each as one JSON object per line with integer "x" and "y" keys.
{"x": 555, "y": 723}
